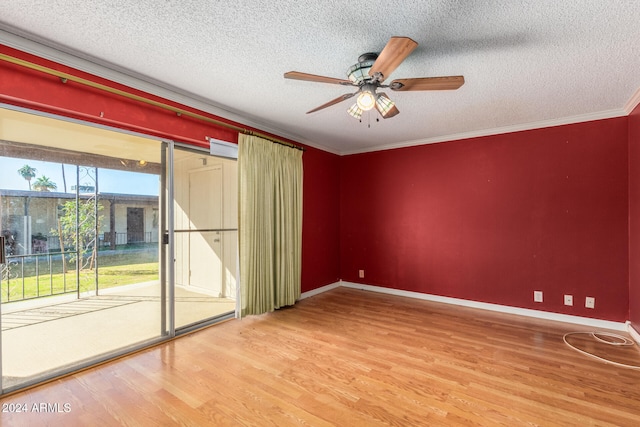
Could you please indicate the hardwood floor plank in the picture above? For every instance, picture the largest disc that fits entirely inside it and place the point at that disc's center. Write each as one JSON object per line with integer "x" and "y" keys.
{"x": 356, "y": 358}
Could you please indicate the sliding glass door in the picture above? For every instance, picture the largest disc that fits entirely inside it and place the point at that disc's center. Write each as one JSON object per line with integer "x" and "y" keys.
{"x": 80, "y": 217}
{"x": 111, "y": 242}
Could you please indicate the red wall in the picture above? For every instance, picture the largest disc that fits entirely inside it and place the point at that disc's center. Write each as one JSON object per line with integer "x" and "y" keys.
{"x": 634, "y": 218}
{"x": 36, "y": 90}
{"x": 321, "y": 219}
{"x": 492, "y": 219}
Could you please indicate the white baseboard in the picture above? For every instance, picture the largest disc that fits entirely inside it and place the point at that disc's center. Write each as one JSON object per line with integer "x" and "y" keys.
{"x": 319, "y": 290}
{"x": 634, "y": 334}
{"x": 584, "y": 321}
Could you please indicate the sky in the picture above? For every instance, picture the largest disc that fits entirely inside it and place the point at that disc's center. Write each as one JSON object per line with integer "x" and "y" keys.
{"x": 109, "y": 180}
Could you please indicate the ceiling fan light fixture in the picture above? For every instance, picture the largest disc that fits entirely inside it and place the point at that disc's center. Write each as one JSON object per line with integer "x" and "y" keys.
{"x": 384, "y": 105}
{"x": 366, "y": 100}
{"x": 354, "y": 111}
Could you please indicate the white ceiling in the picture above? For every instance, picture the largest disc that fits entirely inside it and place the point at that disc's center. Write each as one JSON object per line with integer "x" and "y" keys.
{"x": 526, "y": 63}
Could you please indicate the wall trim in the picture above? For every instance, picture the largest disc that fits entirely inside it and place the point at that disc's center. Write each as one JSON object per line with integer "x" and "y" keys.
{"x": 632, "y": 331}
{"x": 600, "y": 115}
{"x": 633, "y": 102}
{"x": 319, "y": 290}
{"x": 584, "y": 321}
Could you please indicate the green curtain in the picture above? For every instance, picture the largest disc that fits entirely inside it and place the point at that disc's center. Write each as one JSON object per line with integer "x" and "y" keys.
{"x": 269, "y": 224}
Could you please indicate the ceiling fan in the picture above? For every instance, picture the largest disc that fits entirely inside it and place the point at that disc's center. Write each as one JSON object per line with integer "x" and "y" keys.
{"x": 371, "y": 71}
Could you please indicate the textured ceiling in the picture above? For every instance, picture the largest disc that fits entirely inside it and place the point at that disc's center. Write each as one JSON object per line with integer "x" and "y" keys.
{"x": 526, "y": 63}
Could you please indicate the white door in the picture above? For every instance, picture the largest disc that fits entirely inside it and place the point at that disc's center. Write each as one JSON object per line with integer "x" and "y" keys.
{"x": 205, "y": 215}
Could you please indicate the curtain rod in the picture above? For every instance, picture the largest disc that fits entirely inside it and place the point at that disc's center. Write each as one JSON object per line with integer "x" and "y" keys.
{"x": 179, "y": 111}
{"x": 274, "y": 140}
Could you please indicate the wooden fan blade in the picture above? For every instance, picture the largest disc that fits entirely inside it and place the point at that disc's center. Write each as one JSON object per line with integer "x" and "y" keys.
{"x": 396, "y": 50}
{"x": 428, "y": 83}
{"x": 332, "y": 102}
{"x": 296, "y": 75}
{"x": 391, "y": 112}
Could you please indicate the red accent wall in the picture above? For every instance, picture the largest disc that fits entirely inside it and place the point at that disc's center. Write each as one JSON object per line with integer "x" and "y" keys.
{"x": 634, "y": 218}
{"x": 321, "y": 219}
{"x": 35, "y": 90}
{"x": 492, "y": 219}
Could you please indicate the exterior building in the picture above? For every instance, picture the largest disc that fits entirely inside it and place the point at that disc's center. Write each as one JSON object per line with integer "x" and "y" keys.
{"x": 30, "y": 219}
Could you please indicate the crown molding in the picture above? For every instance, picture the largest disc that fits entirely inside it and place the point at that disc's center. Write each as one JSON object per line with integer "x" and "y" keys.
{"x": 633, "y": 102}
{"x": 500, "y": 130}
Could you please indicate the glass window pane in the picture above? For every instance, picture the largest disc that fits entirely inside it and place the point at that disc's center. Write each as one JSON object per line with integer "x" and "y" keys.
{"x": 205, "y": 209}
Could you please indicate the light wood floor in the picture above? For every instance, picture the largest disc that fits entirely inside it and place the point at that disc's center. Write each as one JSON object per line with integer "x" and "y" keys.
{"x": 351, "y": 358}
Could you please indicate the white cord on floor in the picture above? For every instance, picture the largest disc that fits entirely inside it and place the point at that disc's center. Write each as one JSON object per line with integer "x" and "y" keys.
{"x": 622, "y": 341}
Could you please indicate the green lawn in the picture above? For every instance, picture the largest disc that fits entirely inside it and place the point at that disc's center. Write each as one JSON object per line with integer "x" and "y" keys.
{"x": 109, "y": 276}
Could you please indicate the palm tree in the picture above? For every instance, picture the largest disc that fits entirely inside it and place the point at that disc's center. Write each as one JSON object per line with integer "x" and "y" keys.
{"x": 44, "y": 184}
{"x": 27, "y": 172}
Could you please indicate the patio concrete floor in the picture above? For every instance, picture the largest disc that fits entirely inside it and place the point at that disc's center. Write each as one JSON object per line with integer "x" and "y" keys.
{"x": 41, "y": 335}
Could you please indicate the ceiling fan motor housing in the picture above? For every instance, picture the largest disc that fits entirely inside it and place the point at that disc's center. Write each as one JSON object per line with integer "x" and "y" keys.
{"x": 369, "y": 56}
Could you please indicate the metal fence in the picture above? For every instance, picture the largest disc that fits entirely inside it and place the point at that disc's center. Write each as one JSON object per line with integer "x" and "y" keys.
{"x": 32, "y": 276}
{"x": 128, "y": 238}
{"x": 49, "y": 271}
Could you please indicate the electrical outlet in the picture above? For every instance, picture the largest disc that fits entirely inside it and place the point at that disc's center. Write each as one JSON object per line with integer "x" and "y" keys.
{"x": 361, "y": 274}
{"x": 590, "y": 302}
{"x": 537, "y": 296}
{"x": 568, "y": 300}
